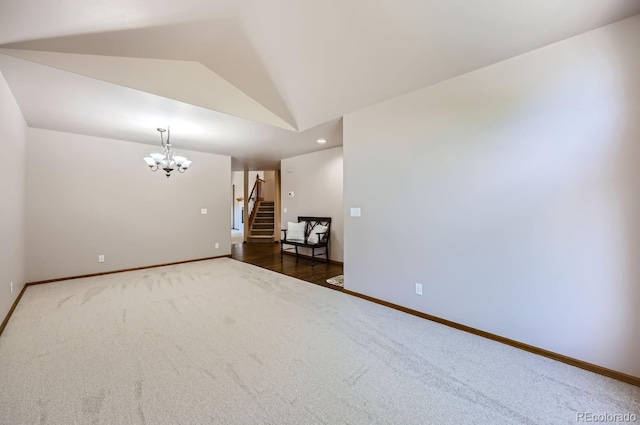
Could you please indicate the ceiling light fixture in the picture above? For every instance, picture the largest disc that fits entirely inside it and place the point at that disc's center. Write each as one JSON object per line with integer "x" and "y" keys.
{"x": 321, "y": 141}
{"x": 166, "y": 159}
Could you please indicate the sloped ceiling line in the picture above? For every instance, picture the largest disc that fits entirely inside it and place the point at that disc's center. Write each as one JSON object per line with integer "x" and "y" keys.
{"x": 184, "y": 81}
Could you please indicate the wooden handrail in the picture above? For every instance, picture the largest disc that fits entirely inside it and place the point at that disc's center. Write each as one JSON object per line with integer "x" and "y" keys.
{"x": 256, "y": 185}
{"x": 257, "y": 190}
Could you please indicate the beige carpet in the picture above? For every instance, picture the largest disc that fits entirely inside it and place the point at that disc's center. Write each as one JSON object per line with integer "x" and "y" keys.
{"x": 223, "y": 342}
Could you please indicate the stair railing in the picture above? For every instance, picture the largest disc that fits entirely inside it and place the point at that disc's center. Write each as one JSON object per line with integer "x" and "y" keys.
{"x": 256, "y": 196}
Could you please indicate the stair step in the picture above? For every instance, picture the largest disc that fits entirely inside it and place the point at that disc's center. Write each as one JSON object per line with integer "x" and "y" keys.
{"x": 260, "y": 239}
{"x": 266, "y": 232}
{"x": 263, "y": 226}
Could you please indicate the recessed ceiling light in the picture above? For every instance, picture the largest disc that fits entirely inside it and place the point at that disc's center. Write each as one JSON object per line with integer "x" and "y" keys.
{"x": 321, "y": 141}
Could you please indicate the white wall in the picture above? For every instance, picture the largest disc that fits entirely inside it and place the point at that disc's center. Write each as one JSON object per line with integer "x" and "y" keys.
{"x": 12, "y": 205}
{"x": 316, "y": 180}
{"x": 513, "y": 194}
{"x": 88, "y": 196}
{"x": 269, "y": 186}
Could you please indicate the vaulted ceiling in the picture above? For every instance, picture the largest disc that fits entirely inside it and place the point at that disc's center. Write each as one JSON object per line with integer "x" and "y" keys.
{"x": 259, "y": 80}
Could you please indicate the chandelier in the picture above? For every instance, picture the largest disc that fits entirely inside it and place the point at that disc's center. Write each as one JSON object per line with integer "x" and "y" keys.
{"x": 166, "y": 159}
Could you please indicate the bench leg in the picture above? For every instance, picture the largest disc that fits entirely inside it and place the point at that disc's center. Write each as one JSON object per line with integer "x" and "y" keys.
{"x": 313, "y": 256}
{"x": 326, "y": 251}
{"x": 296, "y": 253}
{"x": 281, "y": 251}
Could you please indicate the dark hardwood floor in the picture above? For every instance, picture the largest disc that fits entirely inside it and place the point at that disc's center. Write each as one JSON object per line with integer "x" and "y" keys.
{"x": 267, "y": 255}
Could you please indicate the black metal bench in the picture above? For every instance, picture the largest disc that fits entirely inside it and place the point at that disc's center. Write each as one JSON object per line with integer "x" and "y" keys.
{"x": 310, "y": 229}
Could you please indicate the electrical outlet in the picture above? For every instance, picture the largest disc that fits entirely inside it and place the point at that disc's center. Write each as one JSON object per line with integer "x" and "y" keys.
{"x": 217, "y": 245}
{"x": 12, "y": 287}
{"x": 418, "y": 288}
{"x": 285, "y": 210}
{"x": 100, "y": 258}
{"x": 203, "y": 211}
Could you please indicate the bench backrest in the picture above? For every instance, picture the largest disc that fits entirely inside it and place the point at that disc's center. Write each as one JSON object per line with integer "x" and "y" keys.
{"x": 312, "y": 222}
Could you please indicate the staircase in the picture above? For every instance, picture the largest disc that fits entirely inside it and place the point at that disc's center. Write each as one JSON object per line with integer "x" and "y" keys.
{"x": 261, "y": 230}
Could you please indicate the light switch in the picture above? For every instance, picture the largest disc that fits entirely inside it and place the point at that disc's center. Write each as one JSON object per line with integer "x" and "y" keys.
{"x": 284, "y": 211}
{"x": 203, "y": 211}
{"x": 355, "y": 212}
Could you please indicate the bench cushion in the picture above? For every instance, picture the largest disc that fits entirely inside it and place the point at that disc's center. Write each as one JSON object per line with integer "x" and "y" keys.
{"x": 295, "y": 231}
{"x": 313, "y": 235}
